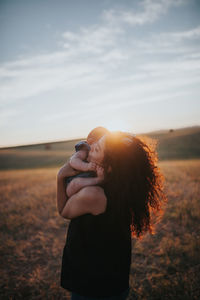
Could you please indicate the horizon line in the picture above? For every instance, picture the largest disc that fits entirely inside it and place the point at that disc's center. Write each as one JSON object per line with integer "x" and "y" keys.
{"x": 76, "y": 138}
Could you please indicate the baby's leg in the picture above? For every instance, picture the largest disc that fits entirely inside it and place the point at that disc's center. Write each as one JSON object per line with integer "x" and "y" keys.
{"x": 78, "y": 183}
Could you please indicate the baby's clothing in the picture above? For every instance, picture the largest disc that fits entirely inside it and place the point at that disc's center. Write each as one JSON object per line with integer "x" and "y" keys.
{"x": 82, "y": 145}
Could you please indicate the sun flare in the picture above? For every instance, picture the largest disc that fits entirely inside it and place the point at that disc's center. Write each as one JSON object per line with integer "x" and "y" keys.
{"x": 115, "y": 125}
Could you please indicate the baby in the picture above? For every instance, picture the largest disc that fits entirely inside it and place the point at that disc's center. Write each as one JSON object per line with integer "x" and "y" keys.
{"x": 91, "y": 173}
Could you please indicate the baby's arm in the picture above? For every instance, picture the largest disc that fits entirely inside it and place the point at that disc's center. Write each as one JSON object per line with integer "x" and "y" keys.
{"x": 77, "y": 162}
{"x": 78, "y": 183}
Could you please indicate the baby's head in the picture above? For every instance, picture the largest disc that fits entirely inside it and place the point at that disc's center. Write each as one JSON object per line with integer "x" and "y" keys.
{"x": 96, "y": 134}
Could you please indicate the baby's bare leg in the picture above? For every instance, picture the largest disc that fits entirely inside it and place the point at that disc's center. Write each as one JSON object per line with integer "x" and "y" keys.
{"x": 78, "y": 183}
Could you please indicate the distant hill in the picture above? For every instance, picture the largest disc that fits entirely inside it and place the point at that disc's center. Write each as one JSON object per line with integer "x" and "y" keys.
{"x": 36, "y": 156}
{"x": 183, "y": 143}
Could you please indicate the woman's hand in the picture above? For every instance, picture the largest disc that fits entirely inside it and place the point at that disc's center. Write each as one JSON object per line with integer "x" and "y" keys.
{"x": 91, "y": 166}
{"x": 66, "y": 171}
{"x": 100, "y": 173}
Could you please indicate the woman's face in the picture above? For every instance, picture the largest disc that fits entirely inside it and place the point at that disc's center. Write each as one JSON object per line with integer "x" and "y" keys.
{"x": 96, "y": 154}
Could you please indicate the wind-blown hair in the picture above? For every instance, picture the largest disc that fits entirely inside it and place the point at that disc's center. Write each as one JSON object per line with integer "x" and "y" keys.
{"x": 135, "y": 183}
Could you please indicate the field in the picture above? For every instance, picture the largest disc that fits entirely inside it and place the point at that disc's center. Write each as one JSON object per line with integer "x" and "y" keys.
{"x": 164, "y": 266}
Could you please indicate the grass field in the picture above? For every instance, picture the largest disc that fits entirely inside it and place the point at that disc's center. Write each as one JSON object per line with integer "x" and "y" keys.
{"x": 164, "y": 266}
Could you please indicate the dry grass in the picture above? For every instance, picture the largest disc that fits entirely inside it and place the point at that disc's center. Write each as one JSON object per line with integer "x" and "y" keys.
{"x": 32, "y": 235}
{"x": 164, "y": 266}
{"x": 167, "y": 264}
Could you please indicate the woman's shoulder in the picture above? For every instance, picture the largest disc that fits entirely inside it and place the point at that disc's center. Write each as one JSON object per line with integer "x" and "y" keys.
{"x": 96, "y": 193}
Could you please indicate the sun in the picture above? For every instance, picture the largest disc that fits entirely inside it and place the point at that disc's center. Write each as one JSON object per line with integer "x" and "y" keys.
{"x": 117, "y": 124}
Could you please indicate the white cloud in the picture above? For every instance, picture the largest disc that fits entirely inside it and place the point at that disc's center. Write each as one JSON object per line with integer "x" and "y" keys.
{"x": 149, "y": 12}
{"x": 92, "y": 40}
{"x": 176, "y": 37}
{"x": 187, "y": 34}
{"x": 158, "y": 85}
{"x": 31, "y": 81}
{"x": 179, "y": 43}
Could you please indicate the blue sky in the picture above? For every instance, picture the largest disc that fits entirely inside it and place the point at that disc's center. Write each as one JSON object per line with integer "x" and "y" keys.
{"x": 69, "y": 66}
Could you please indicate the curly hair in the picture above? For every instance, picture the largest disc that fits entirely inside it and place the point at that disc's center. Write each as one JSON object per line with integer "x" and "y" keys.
{"x": 134, "y": 181}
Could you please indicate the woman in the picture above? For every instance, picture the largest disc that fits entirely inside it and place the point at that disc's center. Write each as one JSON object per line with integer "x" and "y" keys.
{"x": 97, "y": 254}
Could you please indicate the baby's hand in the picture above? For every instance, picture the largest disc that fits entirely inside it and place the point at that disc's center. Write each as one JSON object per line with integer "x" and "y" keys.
{"x": 92, "y": 166}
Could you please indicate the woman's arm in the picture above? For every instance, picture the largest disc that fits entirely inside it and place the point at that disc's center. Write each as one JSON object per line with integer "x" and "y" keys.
{"x": 64, "y": 172}
{"x": 90, "y": 199}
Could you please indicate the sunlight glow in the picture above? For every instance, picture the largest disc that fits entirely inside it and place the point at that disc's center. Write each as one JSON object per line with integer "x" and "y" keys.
{"x": 115, "y": 125}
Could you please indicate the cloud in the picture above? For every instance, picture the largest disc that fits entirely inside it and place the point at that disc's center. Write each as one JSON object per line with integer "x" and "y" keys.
{"x": 93, "y": 39}
{"x": 178, "y": 43}
{"x": 193, "y": 34}
{"x": 34, "y": 75}
{"x": 79, "y": 60}
{"x": 158, "y": 84}
{"x": 149, "y": 12}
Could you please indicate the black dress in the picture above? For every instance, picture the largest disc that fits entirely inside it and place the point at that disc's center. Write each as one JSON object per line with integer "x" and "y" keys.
{"x": 97, "y": 255}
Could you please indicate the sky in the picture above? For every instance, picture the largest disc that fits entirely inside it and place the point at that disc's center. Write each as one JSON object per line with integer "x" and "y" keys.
{"x": 68, "y": 66}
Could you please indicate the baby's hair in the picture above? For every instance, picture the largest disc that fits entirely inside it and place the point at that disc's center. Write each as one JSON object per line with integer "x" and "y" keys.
{"x": 96, "y": 133}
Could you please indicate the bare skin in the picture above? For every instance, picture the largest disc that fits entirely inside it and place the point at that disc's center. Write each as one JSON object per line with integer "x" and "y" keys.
{"x": 78, "y": 183}
{"x": 90, "y": 199}
{"x": 65, "y": 171}
{"x": 76, "y": 162}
